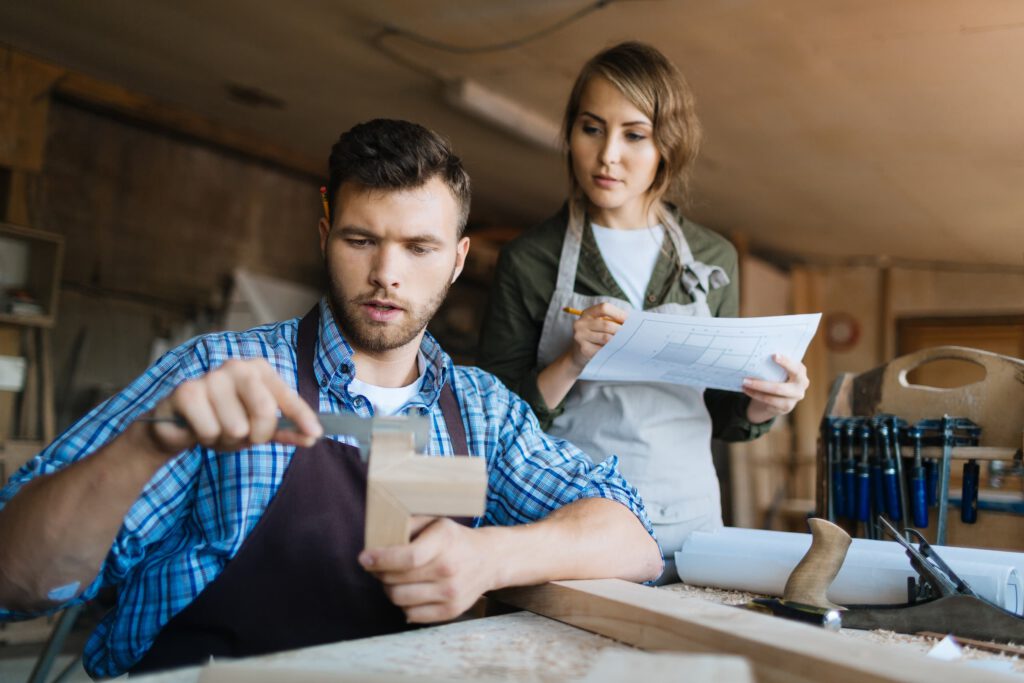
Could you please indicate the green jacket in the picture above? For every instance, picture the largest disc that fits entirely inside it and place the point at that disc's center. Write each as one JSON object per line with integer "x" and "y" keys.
{"x": 525, "y": 282}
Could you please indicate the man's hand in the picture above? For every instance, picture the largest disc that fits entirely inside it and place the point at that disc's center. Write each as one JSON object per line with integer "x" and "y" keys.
{"x": 771, "y": 399}
{"x": 231, "y": 408}
{"x": 439, "y": 575}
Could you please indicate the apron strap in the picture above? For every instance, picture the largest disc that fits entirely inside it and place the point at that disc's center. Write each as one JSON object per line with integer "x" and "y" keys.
{"x": 309, "y": 390}
{"x": 453, "y": 419}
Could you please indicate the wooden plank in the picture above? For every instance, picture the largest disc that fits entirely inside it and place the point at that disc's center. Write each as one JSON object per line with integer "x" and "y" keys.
{"x": 778, "y": 649}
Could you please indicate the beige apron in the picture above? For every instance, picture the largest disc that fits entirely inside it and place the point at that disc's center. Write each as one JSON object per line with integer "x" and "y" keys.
{"x": 660, "y": 432}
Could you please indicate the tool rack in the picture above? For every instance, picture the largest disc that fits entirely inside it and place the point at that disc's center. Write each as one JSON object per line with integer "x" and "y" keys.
{"x": 995, "y": 404}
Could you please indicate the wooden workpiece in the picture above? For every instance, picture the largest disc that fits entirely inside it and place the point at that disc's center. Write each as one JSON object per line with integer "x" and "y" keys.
{"x": 778, "y": 649}
{"x": 401, "y": 484}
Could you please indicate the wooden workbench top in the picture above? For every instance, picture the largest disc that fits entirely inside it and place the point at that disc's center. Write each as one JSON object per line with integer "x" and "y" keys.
{"x": 519, "y": 646}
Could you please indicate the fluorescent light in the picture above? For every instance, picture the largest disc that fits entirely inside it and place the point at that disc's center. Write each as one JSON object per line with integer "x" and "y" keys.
{"x": 505, "y": 113}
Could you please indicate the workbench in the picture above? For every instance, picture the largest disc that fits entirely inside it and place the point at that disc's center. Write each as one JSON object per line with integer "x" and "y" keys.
{"x": 523, "y": 646}
{"x": 518, "y": 646}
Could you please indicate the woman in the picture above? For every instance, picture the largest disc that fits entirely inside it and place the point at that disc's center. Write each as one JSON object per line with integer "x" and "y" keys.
{"x": 631, "y": 134}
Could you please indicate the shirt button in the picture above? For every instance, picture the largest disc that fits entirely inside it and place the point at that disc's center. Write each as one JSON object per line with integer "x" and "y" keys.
{"x": 346, "y": 368}
{"x": 650, "y": 298}
{"x": 423, "y": 410}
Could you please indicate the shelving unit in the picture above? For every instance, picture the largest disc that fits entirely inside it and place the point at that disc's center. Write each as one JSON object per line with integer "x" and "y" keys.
{"x": 31, "y": 262}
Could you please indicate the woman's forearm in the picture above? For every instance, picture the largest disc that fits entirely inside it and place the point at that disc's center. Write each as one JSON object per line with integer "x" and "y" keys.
{"x": 556, "y": 380}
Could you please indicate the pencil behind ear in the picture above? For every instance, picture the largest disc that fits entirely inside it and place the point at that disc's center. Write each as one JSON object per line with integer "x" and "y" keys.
{"x": 327, "y": 206}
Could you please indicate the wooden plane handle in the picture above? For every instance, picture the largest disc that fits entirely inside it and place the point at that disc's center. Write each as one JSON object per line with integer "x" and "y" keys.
{"x": 812, "y": 576}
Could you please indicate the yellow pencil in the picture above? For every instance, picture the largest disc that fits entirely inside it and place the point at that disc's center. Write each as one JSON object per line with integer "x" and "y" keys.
{"x": 323, "y": 200}
{"x": 575, "y": 311}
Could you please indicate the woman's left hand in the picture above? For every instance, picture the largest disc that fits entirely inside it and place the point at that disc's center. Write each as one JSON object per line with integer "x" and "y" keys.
{"x": 771, "y": 399}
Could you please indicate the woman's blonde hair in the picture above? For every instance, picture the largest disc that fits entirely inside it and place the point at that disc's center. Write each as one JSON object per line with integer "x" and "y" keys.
{"x": 656, "y": 87}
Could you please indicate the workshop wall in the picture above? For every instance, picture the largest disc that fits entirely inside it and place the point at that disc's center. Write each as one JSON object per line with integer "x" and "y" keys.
{"x": 860, "y": 292}
{"x": 154, "y": 224}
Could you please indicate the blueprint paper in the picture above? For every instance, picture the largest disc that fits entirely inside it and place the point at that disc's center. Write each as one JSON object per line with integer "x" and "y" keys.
{"x": 704, "y": 352}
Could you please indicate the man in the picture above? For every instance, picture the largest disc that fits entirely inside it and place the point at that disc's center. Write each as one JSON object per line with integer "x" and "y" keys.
{"x": 229, "y": 537}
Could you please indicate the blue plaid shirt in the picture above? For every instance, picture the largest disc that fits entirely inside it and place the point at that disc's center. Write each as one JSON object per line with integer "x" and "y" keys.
{"x": 195, "y": 513}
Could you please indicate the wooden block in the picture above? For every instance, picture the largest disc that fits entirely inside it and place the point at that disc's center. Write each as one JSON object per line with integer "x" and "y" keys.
{"x": 401, "y": 484}
{"x": 778, "y": 649}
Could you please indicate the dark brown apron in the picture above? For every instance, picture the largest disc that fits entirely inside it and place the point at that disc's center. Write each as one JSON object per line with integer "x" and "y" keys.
{"x": 295, "y": 581}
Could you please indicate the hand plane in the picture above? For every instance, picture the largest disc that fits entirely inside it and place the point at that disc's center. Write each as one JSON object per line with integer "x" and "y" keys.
{"x": 939, "y": 600}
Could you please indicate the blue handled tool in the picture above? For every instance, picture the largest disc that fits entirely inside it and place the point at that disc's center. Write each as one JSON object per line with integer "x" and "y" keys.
{"x": 837, "y": 502}
{"x": 901, "y": 479}
{"x": 850, "y": 472}
{"x": 890, "y": 490}
{"x": 918, "y": 496}
{"x": 969, "y": 495}
{"x": 864, "y": 481}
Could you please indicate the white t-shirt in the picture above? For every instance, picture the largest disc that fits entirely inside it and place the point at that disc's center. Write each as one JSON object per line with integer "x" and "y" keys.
{"x": 630, "y": 256}
{"x": 387, "y": 400}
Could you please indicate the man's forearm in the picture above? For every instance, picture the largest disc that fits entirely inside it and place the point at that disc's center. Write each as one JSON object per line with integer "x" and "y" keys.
{"x": 592, "y": 538}
{"x": 56, "y": 531}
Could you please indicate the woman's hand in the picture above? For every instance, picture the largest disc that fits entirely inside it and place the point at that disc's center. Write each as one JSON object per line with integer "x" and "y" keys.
{"x": 771, "y": 399}
{"x": 594, "y": 328}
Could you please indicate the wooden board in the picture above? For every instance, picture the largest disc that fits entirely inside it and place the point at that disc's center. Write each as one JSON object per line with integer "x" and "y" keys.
{"x": 778, "y": 650}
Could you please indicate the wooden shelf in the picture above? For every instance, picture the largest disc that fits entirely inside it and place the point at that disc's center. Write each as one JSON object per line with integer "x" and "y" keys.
{"x": 44, "y": 257}
{"x": 968, "y": 452}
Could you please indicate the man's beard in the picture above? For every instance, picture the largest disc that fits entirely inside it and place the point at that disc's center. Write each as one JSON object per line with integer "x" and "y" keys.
{"x": 374, "y": 337}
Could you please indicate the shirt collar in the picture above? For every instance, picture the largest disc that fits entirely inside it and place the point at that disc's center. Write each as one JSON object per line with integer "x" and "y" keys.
{"x": 333, "y": 365}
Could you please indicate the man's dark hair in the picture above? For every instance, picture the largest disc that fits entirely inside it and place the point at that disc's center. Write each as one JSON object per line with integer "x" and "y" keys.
{"x": 387, "y": 154}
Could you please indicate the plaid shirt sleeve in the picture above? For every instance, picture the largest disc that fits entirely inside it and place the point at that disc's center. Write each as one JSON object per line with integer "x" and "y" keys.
{"x": 531, "y": 474}
{"x": 92, "y": 432}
